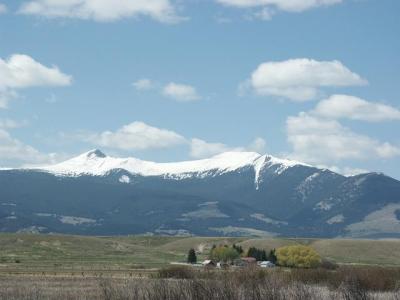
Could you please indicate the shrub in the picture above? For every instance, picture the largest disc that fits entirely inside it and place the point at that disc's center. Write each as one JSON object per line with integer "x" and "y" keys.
{"x": 298, "y": 256}
{"x": 328, "y": 264}
{"x": 179, "y": 272}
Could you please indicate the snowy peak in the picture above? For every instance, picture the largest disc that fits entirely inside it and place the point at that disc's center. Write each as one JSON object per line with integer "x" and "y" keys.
{"x": 95, "y": 153}
{"x": 96, "y": 163}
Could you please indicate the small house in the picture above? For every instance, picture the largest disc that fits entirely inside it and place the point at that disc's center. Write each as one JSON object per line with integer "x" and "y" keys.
{"x": 222, "y": 265}
{"x": 245, "y": 261}
{"x": 266, "y": 264}
{"x": 208, "y": 263}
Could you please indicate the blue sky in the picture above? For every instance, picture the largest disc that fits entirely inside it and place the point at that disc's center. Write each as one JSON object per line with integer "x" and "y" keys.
{"x": 174, "y": 80}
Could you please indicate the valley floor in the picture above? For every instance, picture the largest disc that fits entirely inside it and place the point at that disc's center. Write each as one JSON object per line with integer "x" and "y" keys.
{"x": 86, "y": 267}
{"x": 64, "y": 253}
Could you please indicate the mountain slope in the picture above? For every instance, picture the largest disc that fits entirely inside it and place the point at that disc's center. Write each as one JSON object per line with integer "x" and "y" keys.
{"x": 234, "y": 193}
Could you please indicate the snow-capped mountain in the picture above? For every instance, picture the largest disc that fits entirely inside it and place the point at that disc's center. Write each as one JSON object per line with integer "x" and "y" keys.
{"x": 96, "y": 163}
{"x": 234, "y": 193}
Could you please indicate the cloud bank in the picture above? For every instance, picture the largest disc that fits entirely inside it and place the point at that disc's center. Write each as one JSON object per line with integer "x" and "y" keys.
{"x": 301, "y": 79}
{"x": 102, "y": 10}
{"x": 268, "y": 7}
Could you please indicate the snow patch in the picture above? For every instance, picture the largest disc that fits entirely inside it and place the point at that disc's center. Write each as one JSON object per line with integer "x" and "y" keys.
{"x": 241, "y": 231}
{"x": 173, "y": 232}
{"x": 267, "y": 220}
{"x": 124, "y": 179}
{"x": 323, "y": 205}
{"x": 71, "y": 220}
{"x": 336, "y": 219}
{"x": 206, "y": 210}
{"x": 32, "y": 229}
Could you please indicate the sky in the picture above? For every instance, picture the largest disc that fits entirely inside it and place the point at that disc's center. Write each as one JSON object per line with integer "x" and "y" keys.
{"x": 316, "y": 81}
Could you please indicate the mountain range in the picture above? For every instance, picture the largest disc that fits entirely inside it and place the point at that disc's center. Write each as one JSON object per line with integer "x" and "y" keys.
{"x": 232, "y": 194}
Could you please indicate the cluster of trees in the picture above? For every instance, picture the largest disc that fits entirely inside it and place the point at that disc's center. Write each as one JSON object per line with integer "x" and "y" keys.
{"x": 298, "y": 256}
{"x": 224, "y": 253}
{"x": 261, "y": 254}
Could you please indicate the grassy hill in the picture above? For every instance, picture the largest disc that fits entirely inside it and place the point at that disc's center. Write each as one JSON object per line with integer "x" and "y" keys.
{"x": 74, "y": 253}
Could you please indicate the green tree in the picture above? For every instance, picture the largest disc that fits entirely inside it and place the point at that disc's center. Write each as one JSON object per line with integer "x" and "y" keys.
{"x": 298, "y": 256}
{"x": 239, "y": 248}
{"x": 272, "y": 256}
{"x": 192, "y": 258}
{"x": 222, "y": 253}
{"x": 258, "y": 254}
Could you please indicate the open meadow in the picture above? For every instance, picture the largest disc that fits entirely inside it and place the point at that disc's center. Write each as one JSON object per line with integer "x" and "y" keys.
{"x": 79, "y": 267}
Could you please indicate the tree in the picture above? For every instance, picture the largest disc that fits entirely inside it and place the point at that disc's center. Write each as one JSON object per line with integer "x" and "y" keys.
{"x": 272, "y": 256}
{"x": 239, "y": 249}
{"x": 298, "y": 257}
{"x": 192, "y": 258}
{"x": 222, "y": 253}
{"x": 258, "y": 254}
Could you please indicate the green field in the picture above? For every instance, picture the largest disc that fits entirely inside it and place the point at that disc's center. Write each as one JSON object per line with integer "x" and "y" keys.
{"x": 62, "y": 253}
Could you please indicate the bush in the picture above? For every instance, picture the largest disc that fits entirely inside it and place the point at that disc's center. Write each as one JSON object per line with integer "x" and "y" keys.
{"x": 178, "y": 272}
{"x": 328, "y": 264}
{"x": 298, "y": 256}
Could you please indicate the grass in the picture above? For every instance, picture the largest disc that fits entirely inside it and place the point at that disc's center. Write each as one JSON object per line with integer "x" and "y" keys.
{"x": 73, "y": 253}
{"x": 184, "y": 283}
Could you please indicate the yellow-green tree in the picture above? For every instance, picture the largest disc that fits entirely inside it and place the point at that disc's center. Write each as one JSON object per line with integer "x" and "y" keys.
{"x": 224, "y": 253}
{"x": 298, "y": 256}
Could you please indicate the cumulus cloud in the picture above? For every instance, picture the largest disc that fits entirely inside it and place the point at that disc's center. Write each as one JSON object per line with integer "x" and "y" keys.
{"x": 143, "y": 84}
{"x": 268, "y": 7}
{"x": 3, "y": 8}
{"x": 136, "y": 136}
{"x": 141, "y": 136}
{"x": 180, "y": 92}
{"x": 202, "y": 149}
{"x": 13, "y": 152}
{"x": 300, "y": 79}
{"x": 102, "y": 10}
{"x": 11, "y": 124}
{"x": 21, "y": 71}
{"x": 354, "y": 108}
{"x": 323, "y": 141}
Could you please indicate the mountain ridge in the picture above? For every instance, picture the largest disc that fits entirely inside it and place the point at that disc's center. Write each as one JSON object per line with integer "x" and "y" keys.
{"x": 234, "y": 193}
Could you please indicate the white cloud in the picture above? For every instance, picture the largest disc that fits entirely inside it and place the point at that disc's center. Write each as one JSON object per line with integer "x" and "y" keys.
{"x": 102, "y": 10}
{"x": 137, "y": 136}
{"x": 265, "y": 14}
{"x": 11, "y": 124}
{"x": 300, "y": 79}
{"x": 180, "y": 92}
{"x": 202, "y": 149}
{"x": 344, "y": 106}
{"x": 267, "y": 8}
{"x": 321, "y": 141}
{"x": 3, "y": 8}
{"x": 285, "y": 5}
{"x": 143, "y": 84}
{"x": 258, "y": 145}
{"x": 15, "y": 153}
{"x": 22, "y": 71}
